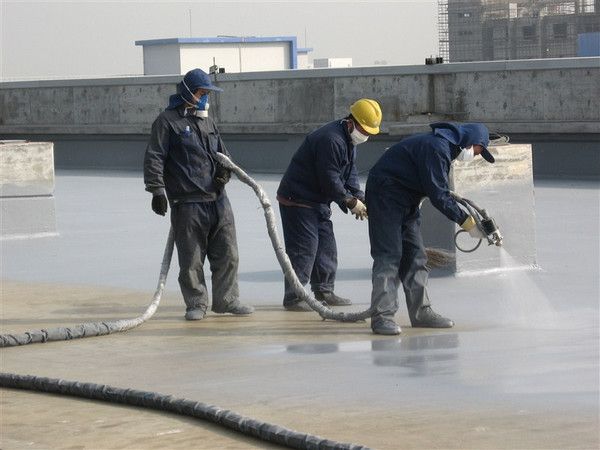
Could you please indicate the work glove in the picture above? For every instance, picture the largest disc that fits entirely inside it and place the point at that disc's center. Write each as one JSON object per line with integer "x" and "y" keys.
{"x": 222, "y": 177}
{"x": 358, "y": 208}
{"x": 159, "y": 204}
{"x": 470, "y": 226}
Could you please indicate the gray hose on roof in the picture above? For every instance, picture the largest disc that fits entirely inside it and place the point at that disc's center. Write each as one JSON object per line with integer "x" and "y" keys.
{"x": 91, "y": 329}
{"x": 153, "y": 400}
{"x": 282, "y": 257}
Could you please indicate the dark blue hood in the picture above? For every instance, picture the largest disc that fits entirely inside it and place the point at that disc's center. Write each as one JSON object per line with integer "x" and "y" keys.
{"x": 175, "y": 100}
{"x": 464, "y": 135}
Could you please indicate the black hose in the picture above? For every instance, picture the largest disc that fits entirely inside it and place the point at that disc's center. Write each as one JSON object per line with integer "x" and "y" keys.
{"x": 153, "y": 400}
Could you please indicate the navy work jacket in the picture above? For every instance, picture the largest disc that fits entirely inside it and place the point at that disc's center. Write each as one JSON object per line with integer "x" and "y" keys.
{"x": 418, "y": 166}
{"x": 180, "y": 156}
{"x": 323, "y": 169}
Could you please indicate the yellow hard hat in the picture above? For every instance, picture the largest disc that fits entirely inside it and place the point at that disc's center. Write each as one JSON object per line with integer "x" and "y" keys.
{"x": 368, "y": 113}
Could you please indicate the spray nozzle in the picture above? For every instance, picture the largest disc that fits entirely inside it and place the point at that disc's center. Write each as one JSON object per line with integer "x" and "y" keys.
{"x": 484, "y": 222}
{"x": 491, "y": 231}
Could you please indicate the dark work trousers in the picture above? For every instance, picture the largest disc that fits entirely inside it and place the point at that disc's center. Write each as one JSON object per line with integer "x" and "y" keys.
{"x": 310, "y": 245}
{"x": 204, "y": 229}
{"x": 397, "y": 250}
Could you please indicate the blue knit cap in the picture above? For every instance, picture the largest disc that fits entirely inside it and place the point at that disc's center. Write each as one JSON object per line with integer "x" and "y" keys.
{"x": 193, "y": 80}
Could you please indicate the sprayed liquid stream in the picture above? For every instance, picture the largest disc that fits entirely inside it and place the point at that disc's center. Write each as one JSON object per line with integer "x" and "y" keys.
{"x": 523, "y": 302}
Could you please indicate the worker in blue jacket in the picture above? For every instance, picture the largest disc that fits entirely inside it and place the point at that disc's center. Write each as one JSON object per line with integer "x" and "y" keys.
{"x": 180, "y": 169}
{"x": 322, "y": 171}
{"x": 415, "y": 168}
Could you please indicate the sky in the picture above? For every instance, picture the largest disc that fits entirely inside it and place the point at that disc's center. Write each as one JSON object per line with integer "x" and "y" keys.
{"x": 54, "y": 39}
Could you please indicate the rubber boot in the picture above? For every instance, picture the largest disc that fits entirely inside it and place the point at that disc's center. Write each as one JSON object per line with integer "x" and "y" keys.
{"x": 331, "y": 299}
{"x": 385, "y": 326}
{"x": 195, "y": 314}
{"x": 426, "y": 317}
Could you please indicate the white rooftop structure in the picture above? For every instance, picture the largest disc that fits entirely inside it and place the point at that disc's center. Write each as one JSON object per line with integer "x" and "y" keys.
{"x": 232, "y": 53}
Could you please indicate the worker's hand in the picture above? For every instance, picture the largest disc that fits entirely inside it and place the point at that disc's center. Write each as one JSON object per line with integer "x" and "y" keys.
{"x": 470, "y": 226}
{"x": 159, "y": 204}
{"x": 359, "y": 210}
{"x": 222, "y": 176}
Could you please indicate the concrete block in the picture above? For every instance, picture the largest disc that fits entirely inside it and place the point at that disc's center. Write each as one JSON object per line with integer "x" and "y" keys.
{"x": 505, "y": 190}
{"x": 26, "y": 188}
{"x": 26, "y": 168}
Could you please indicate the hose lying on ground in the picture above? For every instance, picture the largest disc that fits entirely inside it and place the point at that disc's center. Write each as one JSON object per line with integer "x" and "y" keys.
{"x": 91, "y": 329}
{"x": 153, "y": 400}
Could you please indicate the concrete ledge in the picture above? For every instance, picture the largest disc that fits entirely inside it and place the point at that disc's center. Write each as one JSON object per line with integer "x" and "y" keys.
{"x": 387, "y": 128}
{"x": 26, "y": 168}
{"x": 26, "y": 188}
{"x": 482, "y": 66}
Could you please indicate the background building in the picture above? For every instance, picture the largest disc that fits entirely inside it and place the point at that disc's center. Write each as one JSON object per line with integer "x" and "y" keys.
{"x": 485, "y": 30}
{"x": 232, "y": 53}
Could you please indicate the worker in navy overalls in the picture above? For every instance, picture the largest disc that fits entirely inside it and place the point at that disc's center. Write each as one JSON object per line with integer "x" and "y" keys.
{"x": 415, "y": 168}
{"x": 322, "y": 171}
{"x": 180, "y": 169}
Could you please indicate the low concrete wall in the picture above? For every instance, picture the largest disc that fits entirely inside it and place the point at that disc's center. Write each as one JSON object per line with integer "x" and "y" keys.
{"x": 26, "y": 189}
{"x": 264, "y": 115}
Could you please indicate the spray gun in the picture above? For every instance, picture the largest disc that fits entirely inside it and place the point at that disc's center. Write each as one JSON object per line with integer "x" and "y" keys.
{"x": 483, "y": 221}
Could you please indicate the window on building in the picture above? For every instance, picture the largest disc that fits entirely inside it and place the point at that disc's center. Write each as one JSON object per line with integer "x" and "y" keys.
{"x": 559, "y": 30}
{"x": 529, "y": 32}
{"x": 463, "y": 15}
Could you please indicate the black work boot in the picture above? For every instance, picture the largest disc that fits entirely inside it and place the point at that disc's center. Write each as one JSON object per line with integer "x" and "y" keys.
{"x": 426, "y": 317}
{"x": 331, "y": 299}
{"x": 385, "y": 325}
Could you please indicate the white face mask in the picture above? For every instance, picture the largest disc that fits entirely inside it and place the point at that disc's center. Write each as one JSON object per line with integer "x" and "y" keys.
{"x": 466, "y": 154}
{"x": 357, "y": 137}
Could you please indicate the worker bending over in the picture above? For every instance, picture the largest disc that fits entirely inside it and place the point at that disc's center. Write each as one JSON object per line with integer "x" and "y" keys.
{"x": 410, "y": 170}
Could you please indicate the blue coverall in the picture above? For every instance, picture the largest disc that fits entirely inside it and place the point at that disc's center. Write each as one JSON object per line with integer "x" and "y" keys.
{"x": 410, "y": 170}
{"x": 179, "y": 159}
{"x": 321, "y": 171}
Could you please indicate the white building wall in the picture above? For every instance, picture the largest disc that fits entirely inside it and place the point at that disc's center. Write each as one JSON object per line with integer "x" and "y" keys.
{"x": 202, "y": 56}
{"x": 161, "y": 60}
{"x": 254, "y": 56}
